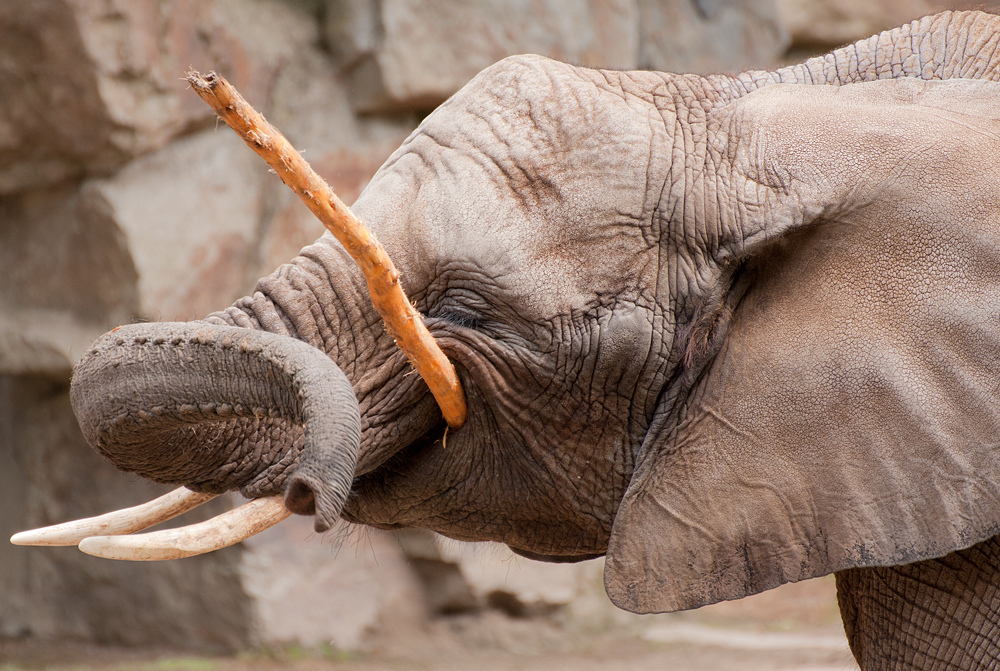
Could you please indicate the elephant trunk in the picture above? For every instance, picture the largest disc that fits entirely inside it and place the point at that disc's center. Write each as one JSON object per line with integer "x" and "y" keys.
{"x": 220, "y": 407}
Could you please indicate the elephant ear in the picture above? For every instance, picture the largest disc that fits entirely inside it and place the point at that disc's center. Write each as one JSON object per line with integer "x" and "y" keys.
{"x": 850, "y": 416}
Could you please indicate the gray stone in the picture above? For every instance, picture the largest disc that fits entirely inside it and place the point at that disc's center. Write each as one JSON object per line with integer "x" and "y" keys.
{"x": 445, "y": 589}
{"x": 338, "y": 589}
{"x": 189, "y": 215}
{"x": 708, "y": 36}
{"x": 89, "y": 85}
{"x": 515, "y": 584}
{"x": 43, "y": 342}
{"x": 351, "y": 29}
{"x": 490, "y": 575}
{"x": 67, "y": 277}
{"x": 416, "y": 53}
{"x": 819, "y": 25}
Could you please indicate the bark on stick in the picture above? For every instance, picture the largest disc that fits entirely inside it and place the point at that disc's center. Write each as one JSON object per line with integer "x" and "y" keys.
{"x": 403, "y": 322}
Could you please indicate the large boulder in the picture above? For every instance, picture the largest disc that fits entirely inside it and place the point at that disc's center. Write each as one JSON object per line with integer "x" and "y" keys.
{"x": 462, "y": 577}
{"x": 340, "y": 590}
{"x": 90, "y": 85}
{"x": 412, "y": 54}
{"x": 189, "y": 216}
{"x": 67, "y": 277}
{"x": 707, "y": 36}
{"x": 820, "y": 25}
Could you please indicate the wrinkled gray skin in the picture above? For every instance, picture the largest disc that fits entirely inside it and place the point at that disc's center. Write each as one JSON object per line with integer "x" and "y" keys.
{"x": 728, "y": 332}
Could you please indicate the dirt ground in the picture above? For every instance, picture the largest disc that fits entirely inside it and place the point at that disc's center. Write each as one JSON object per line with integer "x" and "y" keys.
{"x": 795, "y": 627}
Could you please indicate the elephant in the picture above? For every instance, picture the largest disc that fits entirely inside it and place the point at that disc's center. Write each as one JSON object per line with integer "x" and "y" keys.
{"x": 728, "y": 331}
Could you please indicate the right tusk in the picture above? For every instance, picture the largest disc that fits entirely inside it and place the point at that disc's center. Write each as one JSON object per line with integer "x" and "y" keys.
{"x": 125, "y": 521}
{"x": 221, "y": 531}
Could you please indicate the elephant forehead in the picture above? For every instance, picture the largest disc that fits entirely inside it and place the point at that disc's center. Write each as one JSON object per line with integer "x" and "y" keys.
{"x": 555, "y": 252}
{"x": 546, "y": 193}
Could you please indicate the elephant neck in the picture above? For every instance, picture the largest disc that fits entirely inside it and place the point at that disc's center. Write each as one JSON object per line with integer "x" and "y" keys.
{"x": 948, "y": 45}
{"x": 705, "y": 227}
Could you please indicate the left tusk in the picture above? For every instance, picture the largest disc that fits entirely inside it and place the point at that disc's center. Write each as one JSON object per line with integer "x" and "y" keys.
{"x": 221, "y": 531}
{"x": 125, "y": 521}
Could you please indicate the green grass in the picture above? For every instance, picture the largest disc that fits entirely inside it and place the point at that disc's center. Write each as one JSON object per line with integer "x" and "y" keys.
{"x": 165, "y": 664}
{"x": 288, "y": 654}
{"x": 293, "y": 652}
{"x": 181, "y": 664}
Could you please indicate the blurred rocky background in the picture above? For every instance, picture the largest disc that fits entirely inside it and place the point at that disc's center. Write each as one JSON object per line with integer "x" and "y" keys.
{"x": 122, "y": 199}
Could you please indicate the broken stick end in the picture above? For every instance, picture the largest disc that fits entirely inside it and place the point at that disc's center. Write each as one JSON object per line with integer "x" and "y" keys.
{"x": 200, "y": 81}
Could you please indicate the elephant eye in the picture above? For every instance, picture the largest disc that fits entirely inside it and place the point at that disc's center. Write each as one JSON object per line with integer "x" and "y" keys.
{"x": 463, "y": 319}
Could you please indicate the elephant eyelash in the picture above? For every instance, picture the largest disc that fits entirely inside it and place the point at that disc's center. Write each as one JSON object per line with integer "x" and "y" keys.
{"x": 464, "y": 320}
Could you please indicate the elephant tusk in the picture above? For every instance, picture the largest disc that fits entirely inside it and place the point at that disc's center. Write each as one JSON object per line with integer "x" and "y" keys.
{"x": 125, "y": 521}
{"x": 221, "y": 531}
{"x": 401, "y": 319}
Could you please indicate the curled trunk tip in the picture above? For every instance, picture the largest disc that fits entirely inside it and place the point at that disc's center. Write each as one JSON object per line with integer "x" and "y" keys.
{"x": 220, "y": 407}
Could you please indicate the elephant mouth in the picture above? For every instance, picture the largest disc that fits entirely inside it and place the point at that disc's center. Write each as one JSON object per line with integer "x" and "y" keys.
{"x": 556, "y": 559}
{"x": 437, "y": 437}
{"x": 374, "y": 456}
{"x": 375, "y": 466}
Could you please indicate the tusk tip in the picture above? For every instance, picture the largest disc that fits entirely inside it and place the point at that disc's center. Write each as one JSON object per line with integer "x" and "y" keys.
{"x": 124, "y": 521}
{"x": 44, "y": 537}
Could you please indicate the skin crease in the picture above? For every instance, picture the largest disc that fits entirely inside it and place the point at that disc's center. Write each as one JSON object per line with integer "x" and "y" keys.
{"x": 656, "y": 288}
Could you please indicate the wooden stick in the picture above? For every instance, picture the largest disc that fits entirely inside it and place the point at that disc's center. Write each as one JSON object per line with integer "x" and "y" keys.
{"x": 401, "y": 320}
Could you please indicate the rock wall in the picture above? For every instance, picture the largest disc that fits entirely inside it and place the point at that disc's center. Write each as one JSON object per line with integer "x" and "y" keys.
{"x": 121, "y": 198}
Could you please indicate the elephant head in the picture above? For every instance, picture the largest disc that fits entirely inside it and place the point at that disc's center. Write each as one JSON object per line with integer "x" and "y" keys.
{"x": 731, "y": 331}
